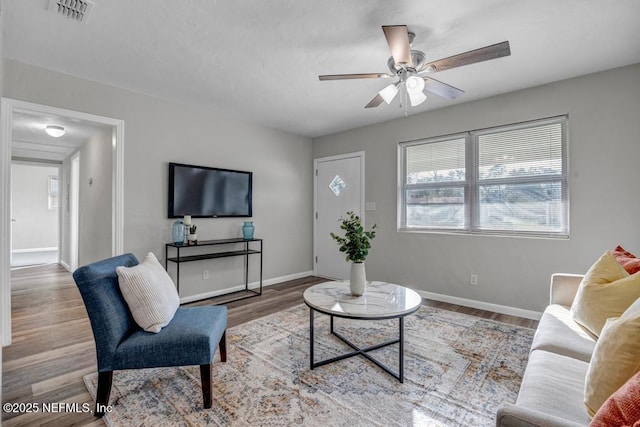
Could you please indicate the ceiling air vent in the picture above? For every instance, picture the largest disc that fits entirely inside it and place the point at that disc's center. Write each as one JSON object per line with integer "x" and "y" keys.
{"x": 77, "y": 10}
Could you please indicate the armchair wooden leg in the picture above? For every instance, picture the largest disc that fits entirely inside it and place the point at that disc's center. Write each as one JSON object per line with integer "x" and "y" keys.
{"x": 102, "y": 394}
{"x": 205, "y": 378}
{"x": 223, "y": 347}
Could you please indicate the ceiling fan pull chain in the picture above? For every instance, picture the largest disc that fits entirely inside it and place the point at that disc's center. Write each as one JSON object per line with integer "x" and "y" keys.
{"x": 406, "y": 100}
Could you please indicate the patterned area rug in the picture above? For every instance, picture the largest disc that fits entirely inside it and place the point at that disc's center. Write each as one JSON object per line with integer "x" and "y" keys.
{"x": 458, "y": 369}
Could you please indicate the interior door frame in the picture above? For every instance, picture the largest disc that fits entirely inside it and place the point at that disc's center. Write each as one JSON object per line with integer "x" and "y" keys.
{"x": 358, "y": 154}
{"x": 8, "y": 107}
{"x": 74, "y": 209}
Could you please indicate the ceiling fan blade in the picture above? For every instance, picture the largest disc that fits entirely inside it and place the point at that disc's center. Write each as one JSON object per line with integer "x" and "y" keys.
{"x": 442, "y": 89}
{"x": 398, "y": 41}
{"x": 353, "y": 76}
{"x": 375, "y": 102}
{"x": 478, "y": 55}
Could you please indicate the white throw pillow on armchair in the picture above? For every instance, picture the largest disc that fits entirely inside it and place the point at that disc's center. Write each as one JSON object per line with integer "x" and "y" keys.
{"x": 150, "y": 293}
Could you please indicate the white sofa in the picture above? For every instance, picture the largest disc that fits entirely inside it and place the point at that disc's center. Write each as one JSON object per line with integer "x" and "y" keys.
{"x": 552, "y": 389}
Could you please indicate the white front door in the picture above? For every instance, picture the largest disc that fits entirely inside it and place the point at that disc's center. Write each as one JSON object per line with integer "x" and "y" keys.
{"x": 339, "y": 188}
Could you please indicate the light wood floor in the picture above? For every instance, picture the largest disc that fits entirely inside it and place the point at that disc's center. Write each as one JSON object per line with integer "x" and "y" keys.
{"x": 53, "y": 345}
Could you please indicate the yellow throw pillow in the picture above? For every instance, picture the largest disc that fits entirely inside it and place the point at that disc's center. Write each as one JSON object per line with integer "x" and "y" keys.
{"x": 615, "y": 359}
{"x": 607, "y": 290}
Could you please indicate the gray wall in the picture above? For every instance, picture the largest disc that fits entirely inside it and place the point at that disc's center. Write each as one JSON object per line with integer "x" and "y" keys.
{"x": 604, "y": 124}
{"x": 95, "y": 193}
{"x": 36, "y": 225}
{"x": 158, "y": 132}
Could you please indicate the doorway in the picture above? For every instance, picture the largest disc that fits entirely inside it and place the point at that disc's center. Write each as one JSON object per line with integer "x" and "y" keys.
{"x": 9, "y": 111}
{"x": 338, "y": 188}
{"x": 35, "y": 231}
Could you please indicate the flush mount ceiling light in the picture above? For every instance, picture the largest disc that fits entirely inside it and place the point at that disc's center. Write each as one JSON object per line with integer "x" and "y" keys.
{"x": 55, "y": 131}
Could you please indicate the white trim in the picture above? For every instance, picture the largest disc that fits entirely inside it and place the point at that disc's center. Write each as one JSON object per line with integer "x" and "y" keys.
{"x": 7, "y": 108}
{"x": 358, "y": 154}
{"x": 5, "y": 223}
{"x": 481, "y": 305}
{"x": 74, "y": 209}
{"x": 117, "y": 217}
{"x": 66, "y": 266}
{"x": 252, "y": 285}
{"x": 31, "y": 250}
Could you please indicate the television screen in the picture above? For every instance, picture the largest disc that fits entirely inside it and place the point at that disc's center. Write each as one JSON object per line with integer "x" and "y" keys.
{"x": 205, "y": 192}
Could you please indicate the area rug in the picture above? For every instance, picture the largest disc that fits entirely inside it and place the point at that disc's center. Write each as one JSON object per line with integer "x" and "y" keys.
{"x": 458, "y": 370}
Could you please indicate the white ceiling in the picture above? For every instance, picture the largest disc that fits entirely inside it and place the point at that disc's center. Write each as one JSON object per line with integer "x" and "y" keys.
{"x": 30, "y": 141}
{"x": 261, "y": 59}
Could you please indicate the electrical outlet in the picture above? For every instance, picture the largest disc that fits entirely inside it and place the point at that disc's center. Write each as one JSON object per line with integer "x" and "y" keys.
{"x": 473, "y": 280}
{"x": 205, "y": 274}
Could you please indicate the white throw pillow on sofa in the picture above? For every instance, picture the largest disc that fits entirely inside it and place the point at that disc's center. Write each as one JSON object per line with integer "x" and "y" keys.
{"x": 150, "y": 293}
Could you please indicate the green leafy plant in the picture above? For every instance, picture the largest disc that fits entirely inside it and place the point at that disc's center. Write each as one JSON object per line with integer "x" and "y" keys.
{"x": 192, "y": 229}
{"x": 356, "y": 241}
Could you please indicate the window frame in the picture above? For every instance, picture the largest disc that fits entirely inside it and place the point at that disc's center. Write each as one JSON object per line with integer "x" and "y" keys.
{"x": 472, "y": 182}
{"x": 53, "y": 194}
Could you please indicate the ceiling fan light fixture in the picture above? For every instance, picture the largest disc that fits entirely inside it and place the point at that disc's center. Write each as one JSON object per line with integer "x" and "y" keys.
{"x": 388, "y": 93}
{"x": 415, "y": 85}
{"x": 55, "y": 131}
{"x": 417, "y": 98}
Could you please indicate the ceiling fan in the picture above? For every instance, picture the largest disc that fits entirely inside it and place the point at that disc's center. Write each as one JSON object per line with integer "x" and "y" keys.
{"x": 409, "y": 66}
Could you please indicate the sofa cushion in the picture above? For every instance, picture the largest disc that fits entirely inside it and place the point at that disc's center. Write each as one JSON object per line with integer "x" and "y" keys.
{"x": 607, "y": 290}
{"x": 558, "y": 333}
{"x": 149, "y": 292}
{"x": 554, "y": 384}
{"x": 627, "y": 260}
{"x": 622, "y": 408}
{"x": 616, "y": 358}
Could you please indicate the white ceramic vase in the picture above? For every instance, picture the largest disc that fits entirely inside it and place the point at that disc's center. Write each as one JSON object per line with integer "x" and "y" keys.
{"x": 357, "y": 279}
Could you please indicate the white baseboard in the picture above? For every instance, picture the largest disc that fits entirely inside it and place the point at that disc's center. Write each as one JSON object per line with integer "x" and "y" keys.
{"x": 252, "y": 285}
{"x": 32, "y": 250}
{"x": 481, "y": 305}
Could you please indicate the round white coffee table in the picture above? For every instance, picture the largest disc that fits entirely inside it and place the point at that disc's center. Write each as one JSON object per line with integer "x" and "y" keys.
{"x": 380, "y": 301}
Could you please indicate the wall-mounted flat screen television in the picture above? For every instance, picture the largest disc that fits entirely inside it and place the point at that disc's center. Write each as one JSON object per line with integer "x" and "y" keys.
{"x": 206, "y": 192}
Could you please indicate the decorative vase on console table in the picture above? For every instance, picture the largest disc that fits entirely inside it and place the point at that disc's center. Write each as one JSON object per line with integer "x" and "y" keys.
{"x": 356, "y": 244}
{"x": 247, "y": 230}
{"x": 178, "y": 232}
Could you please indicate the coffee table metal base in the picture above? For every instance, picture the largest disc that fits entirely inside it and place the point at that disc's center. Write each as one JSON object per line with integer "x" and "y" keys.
{"x": 358, "y": 350}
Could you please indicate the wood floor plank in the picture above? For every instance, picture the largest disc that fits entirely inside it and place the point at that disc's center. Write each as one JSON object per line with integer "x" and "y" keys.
{"x": 53, "y": 346}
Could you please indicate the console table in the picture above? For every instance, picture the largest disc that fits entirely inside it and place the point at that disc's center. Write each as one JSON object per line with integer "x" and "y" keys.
{"x": 210, "y": 253}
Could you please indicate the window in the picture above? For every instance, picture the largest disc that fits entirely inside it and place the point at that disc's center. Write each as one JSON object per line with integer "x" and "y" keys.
{"x": 505, "y": 180}
{"x": 52, "y": 192}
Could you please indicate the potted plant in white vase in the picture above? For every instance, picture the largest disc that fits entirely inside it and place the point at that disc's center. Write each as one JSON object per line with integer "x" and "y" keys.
{"x": 192, "y": 237}
{"x": 356, "y": 244}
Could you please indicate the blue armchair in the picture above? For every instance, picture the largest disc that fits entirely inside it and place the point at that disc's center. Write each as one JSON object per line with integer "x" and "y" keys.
{"x": 190, "y": 338}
